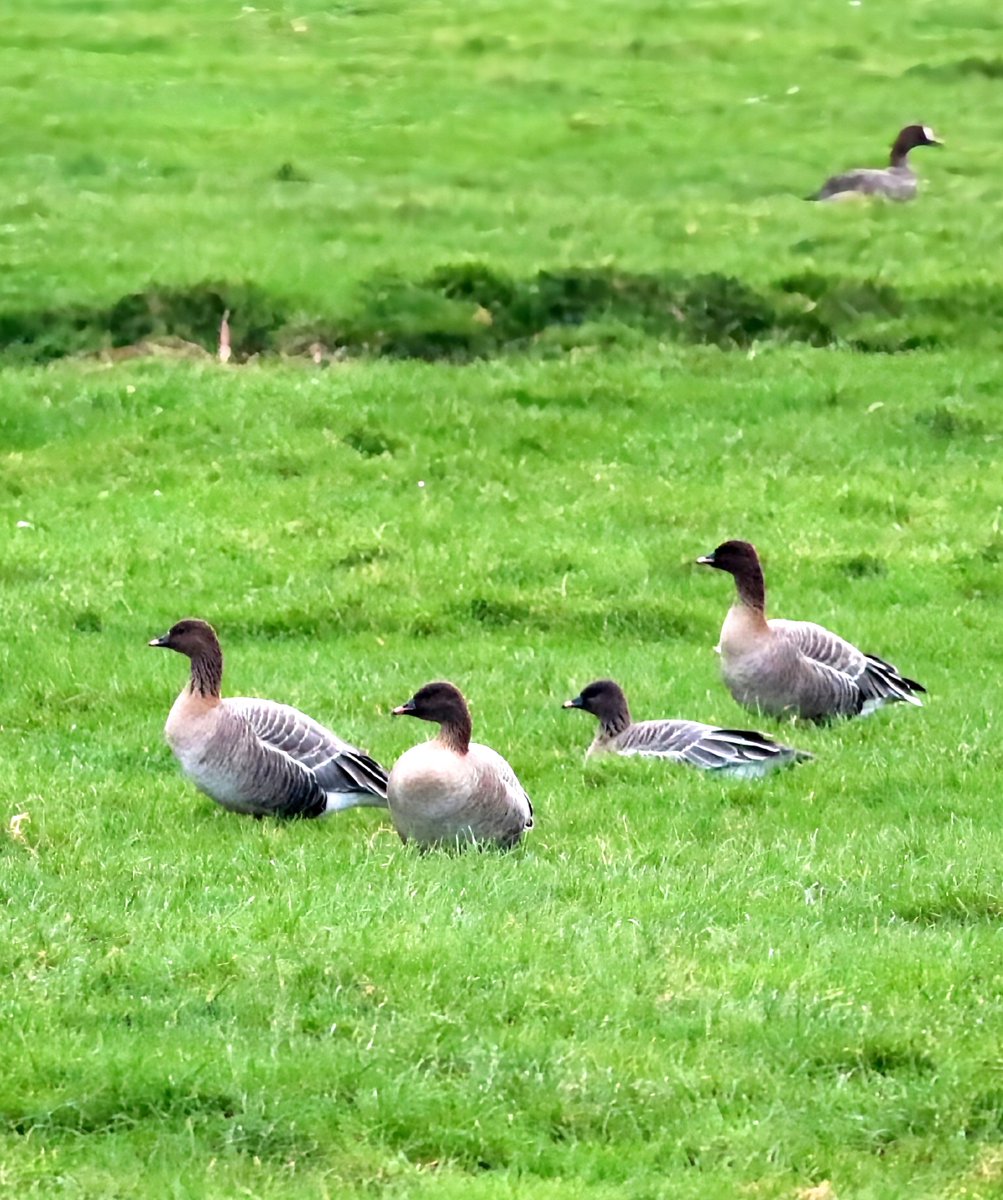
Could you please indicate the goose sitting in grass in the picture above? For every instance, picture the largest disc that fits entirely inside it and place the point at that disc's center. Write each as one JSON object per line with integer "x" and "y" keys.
{"x": 795, "y": 668}
{"x": 257, "y": 756}
{"x": 740, "y": 752}
{"x": 450, "y": 790}
{"x": 897, "y": 181}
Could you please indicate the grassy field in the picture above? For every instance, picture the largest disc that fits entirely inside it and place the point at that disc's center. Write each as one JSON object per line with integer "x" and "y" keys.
{"x": 578, "y": 327}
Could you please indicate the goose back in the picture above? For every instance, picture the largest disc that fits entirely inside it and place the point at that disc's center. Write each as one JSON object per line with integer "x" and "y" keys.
{"x": 337, "y": 765}
{"x": 222, "y": 755}
{"x": 740, "y": 752}
{"x": 894, "y": 183}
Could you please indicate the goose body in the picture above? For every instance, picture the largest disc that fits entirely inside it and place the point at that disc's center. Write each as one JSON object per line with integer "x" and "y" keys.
{"x": 897, "y": 181}
{"x": 450, "y": 790}
{"x": 258, "y": 756}
{"x": 740, "y": 752}
{"x": 795, "y": 668}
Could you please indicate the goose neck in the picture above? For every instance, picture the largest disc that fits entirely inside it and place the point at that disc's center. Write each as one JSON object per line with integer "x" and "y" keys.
{"x": 899, "y": 156}
{"x": 207, "y": 672}
{"x": 616, "y": 718}
{"x": 455, "y": 733}
{"x": 751, "y": 588}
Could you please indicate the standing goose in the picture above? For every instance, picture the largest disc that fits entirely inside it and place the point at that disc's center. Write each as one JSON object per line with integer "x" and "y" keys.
{"x": 741, "y": 752}
{"x": 451, "y": 790}
{"x": 257, "y": 756}
{"x": 897, "y": 181}
{"x": 795, "y": 667}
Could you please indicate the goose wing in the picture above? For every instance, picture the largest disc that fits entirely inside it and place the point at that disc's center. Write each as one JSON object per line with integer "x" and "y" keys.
{"x": 506, "y": 781}
{"x": 867, "y": 181}
{"x": 707, "y": 747}
{"x": 859, "y": 682}
{"x": 836, "y": 664}
{"x": 883, "y": 684}
{"x": 337, "y": 765}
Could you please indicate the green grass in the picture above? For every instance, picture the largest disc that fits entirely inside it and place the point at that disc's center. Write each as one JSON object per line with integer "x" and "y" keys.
{"x": 678, "y": 986}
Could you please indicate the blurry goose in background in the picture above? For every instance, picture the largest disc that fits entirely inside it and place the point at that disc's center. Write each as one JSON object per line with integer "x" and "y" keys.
{"x": 451, "y": 790}
{"x": 795, "y": 667}
{"x": 257, "y": 756}
{"x": 897, "y": 181}
{"x": 740, "y": 752}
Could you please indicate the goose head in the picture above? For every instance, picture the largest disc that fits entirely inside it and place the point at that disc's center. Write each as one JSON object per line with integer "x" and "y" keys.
{"x": 603, "y": 699}
{"x": 908, "y": 139}
{"x": 916, "y": 135}
{"x": 441, "y": 702}
{"x": 737, "y": 558}
{"x": 191, "y": 637}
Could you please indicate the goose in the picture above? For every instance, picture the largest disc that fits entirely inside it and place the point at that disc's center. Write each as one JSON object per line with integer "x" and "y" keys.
{"x": 450, "y": 790}
{"x": 740, "y": 752}
{"x": 897, "y": 181}
{"x": 258, "y": 756}
{"x": 795, "y": 667}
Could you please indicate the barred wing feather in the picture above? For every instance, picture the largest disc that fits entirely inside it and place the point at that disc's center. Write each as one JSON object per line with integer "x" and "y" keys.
{"x": 337, "y": 765}
{"x": 738, "y": 751}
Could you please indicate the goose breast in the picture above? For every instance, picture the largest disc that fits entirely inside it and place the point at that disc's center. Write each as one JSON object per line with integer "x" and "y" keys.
{"x": 437, "y": 796}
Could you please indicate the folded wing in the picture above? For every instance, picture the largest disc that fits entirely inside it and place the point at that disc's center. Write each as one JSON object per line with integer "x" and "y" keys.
{"x": 337, "y": 765}
{"x": 707, "y": 747}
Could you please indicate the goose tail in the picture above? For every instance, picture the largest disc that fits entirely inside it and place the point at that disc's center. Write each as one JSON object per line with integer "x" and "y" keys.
{"x": 884, "y": 685}
{"x": 746, "y": 753}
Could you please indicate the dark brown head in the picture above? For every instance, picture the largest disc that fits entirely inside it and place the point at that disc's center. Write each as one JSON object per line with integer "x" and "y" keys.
{"x": 911, "y": 137}
{"x": 191, "y": 636}
{"x": 737, "y": 558}
{"x": 442, "y": 702}
{"x": 741, "y": 561}
{"x": 603, "y": 699}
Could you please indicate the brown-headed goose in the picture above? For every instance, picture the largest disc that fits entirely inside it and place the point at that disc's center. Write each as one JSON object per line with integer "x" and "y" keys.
{"x": 257, "y": 756}
{"x": 740, "y": 752}
{"x": 795, "y": 667}
{"x": 451, "y": 790}
{"x": 897, "y": 181}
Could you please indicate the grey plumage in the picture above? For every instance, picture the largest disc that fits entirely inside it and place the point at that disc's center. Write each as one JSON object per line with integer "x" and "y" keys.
{"x": 336, "y": 767}
{"x": 258, "y": 756}
{"x": 450, "y": 791}
{"x": 335, "y": 764}
{"x": 795, "y": 667}
{"x": 740, "y": 752}
{"x": 897, "y": 181}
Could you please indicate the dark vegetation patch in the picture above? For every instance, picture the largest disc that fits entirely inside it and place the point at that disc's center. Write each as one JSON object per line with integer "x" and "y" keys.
{"x": 361, "y": 556}
{"x": 874, "y": 1058}
{"x": 952, "y": 420}
{"x": 495, "y": 614}
{"x": 372, "y": 443}
{"x": 472, "y": 311}
{"x": 191, "y": 314}
{"x": 862, "y": 566}
{"x": 983, "y": 68}
{"x": 984, "y": 1119}
{"x": 288, "y": 172}
{"x": 87, "y": 620}
{"x": 118, "y": 1108}
{"x": 960, "y": 907}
